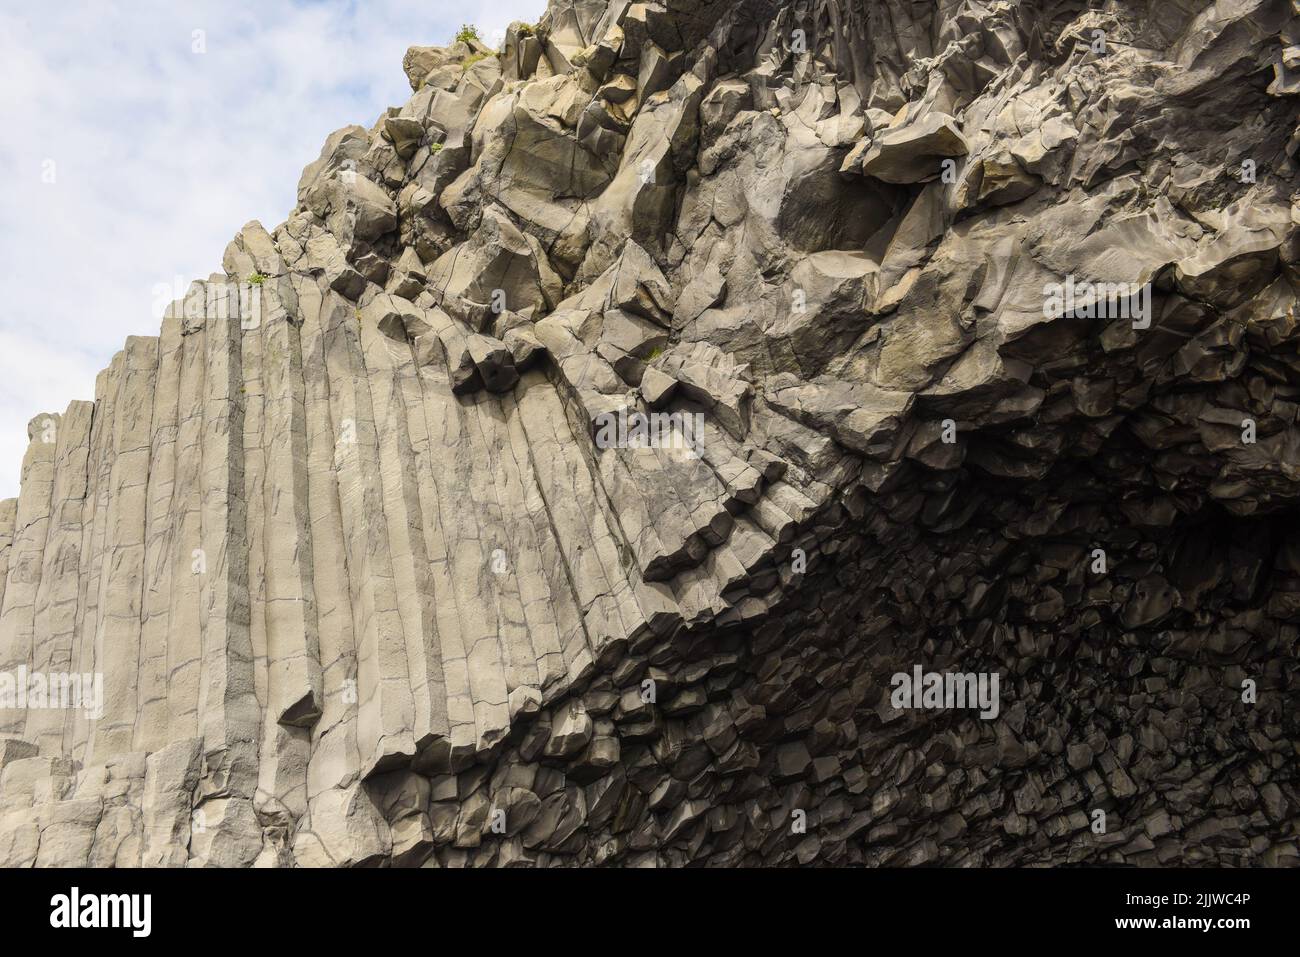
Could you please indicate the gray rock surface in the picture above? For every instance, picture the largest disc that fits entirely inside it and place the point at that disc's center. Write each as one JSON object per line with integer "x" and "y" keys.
{"x": 363, "y": 588}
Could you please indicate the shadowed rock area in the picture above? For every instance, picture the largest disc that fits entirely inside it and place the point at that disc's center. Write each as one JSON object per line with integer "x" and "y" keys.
{"x": 988, "y": 312}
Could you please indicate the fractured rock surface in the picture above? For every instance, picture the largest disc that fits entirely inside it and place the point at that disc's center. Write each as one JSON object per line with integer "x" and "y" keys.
{"x": 363, "y": 588}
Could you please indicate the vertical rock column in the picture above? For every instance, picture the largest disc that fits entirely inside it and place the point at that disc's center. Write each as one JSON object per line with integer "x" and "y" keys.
{"x": 293, "y": 641}
{"x": 386, "y": 709}
{"x": 94, "y": 537}
{"x": 394, "y": 384}
{"x": 334, "y": 759}
{"x": 160, "y": 528}
{"x": 229, "y": 715}
{"x": 186, "y": 555}
{"x": 56, "y": 598}
{"x": 8, "y": 515}
{"x": 472, "y": 660}
{"x": 26, "y": 554}
{"x": 426, "y": 418}
{"x": 117, "y": 636}
{"x": 293, "y": 692}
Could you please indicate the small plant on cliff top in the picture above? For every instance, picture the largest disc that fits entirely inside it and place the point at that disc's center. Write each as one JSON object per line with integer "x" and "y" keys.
{"x": 258, "y": 278}
{"x": 466, "y": 33}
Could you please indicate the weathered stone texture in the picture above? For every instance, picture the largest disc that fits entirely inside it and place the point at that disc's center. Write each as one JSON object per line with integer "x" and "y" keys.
{"x": 365, "y": 589}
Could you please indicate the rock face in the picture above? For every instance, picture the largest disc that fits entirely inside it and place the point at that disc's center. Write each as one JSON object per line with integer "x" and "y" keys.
{"x": 976, "y": 329}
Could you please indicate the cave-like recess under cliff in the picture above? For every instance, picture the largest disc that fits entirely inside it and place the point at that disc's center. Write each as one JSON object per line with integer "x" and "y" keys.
{"x": 365, "y": 585}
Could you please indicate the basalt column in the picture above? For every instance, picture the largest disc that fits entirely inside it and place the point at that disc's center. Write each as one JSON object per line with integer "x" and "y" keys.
{"x": 735, "y": 432}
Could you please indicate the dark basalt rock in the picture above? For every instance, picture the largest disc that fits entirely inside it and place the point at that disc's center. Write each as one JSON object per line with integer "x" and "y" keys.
{"x": 988, "y": 313}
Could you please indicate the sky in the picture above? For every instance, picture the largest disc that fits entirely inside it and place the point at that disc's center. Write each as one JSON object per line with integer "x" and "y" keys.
{"x": 140, "y": 135}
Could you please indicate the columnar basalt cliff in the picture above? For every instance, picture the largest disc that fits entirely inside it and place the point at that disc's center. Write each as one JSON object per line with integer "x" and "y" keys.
{"x": 988, "y": 312}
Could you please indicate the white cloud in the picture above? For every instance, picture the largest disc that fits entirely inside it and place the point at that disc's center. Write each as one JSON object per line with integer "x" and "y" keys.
{"x": 159, "y": 155}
